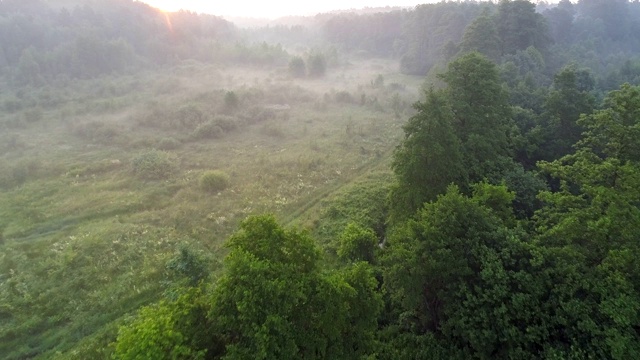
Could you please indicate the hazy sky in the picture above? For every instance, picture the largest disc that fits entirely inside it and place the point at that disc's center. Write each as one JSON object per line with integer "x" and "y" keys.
{"x": 273, "y": 8}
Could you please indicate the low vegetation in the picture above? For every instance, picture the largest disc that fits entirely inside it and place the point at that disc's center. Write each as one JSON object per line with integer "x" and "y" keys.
{"x": 214, "y": 181}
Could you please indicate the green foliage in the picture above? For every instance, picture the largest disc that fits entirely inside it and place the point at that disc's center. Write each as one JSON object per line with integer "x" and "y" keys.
{"x": 497, "y": 198}
{"x": 188, "y": 116}
{"x": 190, "y": 265}
{"x": 357, "y": 243}
{"x": 482, "y": 115}
{"x": 520, "y": 26}
{"x": 214, "y": 181}
{"x": 590, "y": 228}
{"x": 458, "y": 273}
{"x": 563, "y": 106}
{"x": 208, "y": 130}
{"x": 153, "y": 165}
{"x": 363, "y": 202}
{"x": 428, "y": 29}
{"x": 168, "y": 330}
{"x": 430, "y": 157}
{"x": 598, "y": 192}
{"x": 460, "y": 135}
{"x": 274, "y": 302}
{"x": 226, "y": 123}
{"x": 482, "y": 36}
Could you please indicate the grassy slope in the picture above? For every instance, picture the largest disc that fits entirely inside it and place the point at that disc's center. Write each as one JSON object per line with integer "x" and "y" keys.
{"x": 84, "y": 241}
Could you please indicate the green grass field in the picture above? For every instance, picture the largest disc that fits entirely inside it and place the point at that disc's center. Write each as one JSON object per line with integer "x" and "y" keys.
{"x": 100, "y": 183}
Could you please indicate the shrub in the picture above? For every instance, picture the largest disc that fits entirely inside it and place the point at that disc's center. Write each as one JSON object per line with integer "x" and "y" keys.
{"x": 214, "y": 181}
{"x": 208, "y": 130}
{"x": 153, "y": 165}
{"x": 189, "y": 116}
{"x": 226, "y": 123}
{"x": 188, "y": 264}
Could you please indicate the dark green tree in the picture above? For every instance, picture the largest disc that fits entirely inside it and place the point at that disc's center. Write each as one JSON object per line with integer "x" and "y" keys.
{"x": 591, "y": 227}
{"x": 614, "y": 14}
{"x": 188, "y": 264}
{"x": 482, "y": 36}
{"x": 430, "y": 157}
{"x": 274, "y": 302}
{"x": 175, "y": 329}
{"x": 481, "y": 115}
{"x": 560, "y": 19}
{"x": 563, "y": 106}
{"x": 459, "y": 274}
{"x": 357, "y": 243}
{"x": 520, "y": 26}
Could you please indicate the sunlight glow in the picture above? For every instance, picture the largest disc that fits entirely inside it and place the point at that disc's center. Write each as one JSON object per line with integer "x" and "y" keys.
{"x": 168, "y": 20}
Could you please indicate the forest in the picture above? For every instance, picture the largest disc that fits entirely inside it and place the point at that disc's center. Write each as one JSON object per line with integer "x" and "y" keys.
{"x": 455, "y": 180}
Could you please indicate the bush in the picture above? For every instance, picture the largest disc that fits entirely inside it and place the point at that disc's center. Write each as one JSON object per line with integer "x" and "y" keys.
{"x": 208, "y": 130}
{"x": 214, "y": 181}
{"x": 189, "y": 265}
{"x": 226, "y": 123}
{"x": 153, "y": 165}
{"x": 189, "y": 116}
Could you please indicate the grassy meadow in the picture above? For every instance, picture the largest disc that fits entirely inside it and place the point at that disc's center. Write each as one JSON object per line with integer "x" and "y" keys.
{"x": 101, "y": 182}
